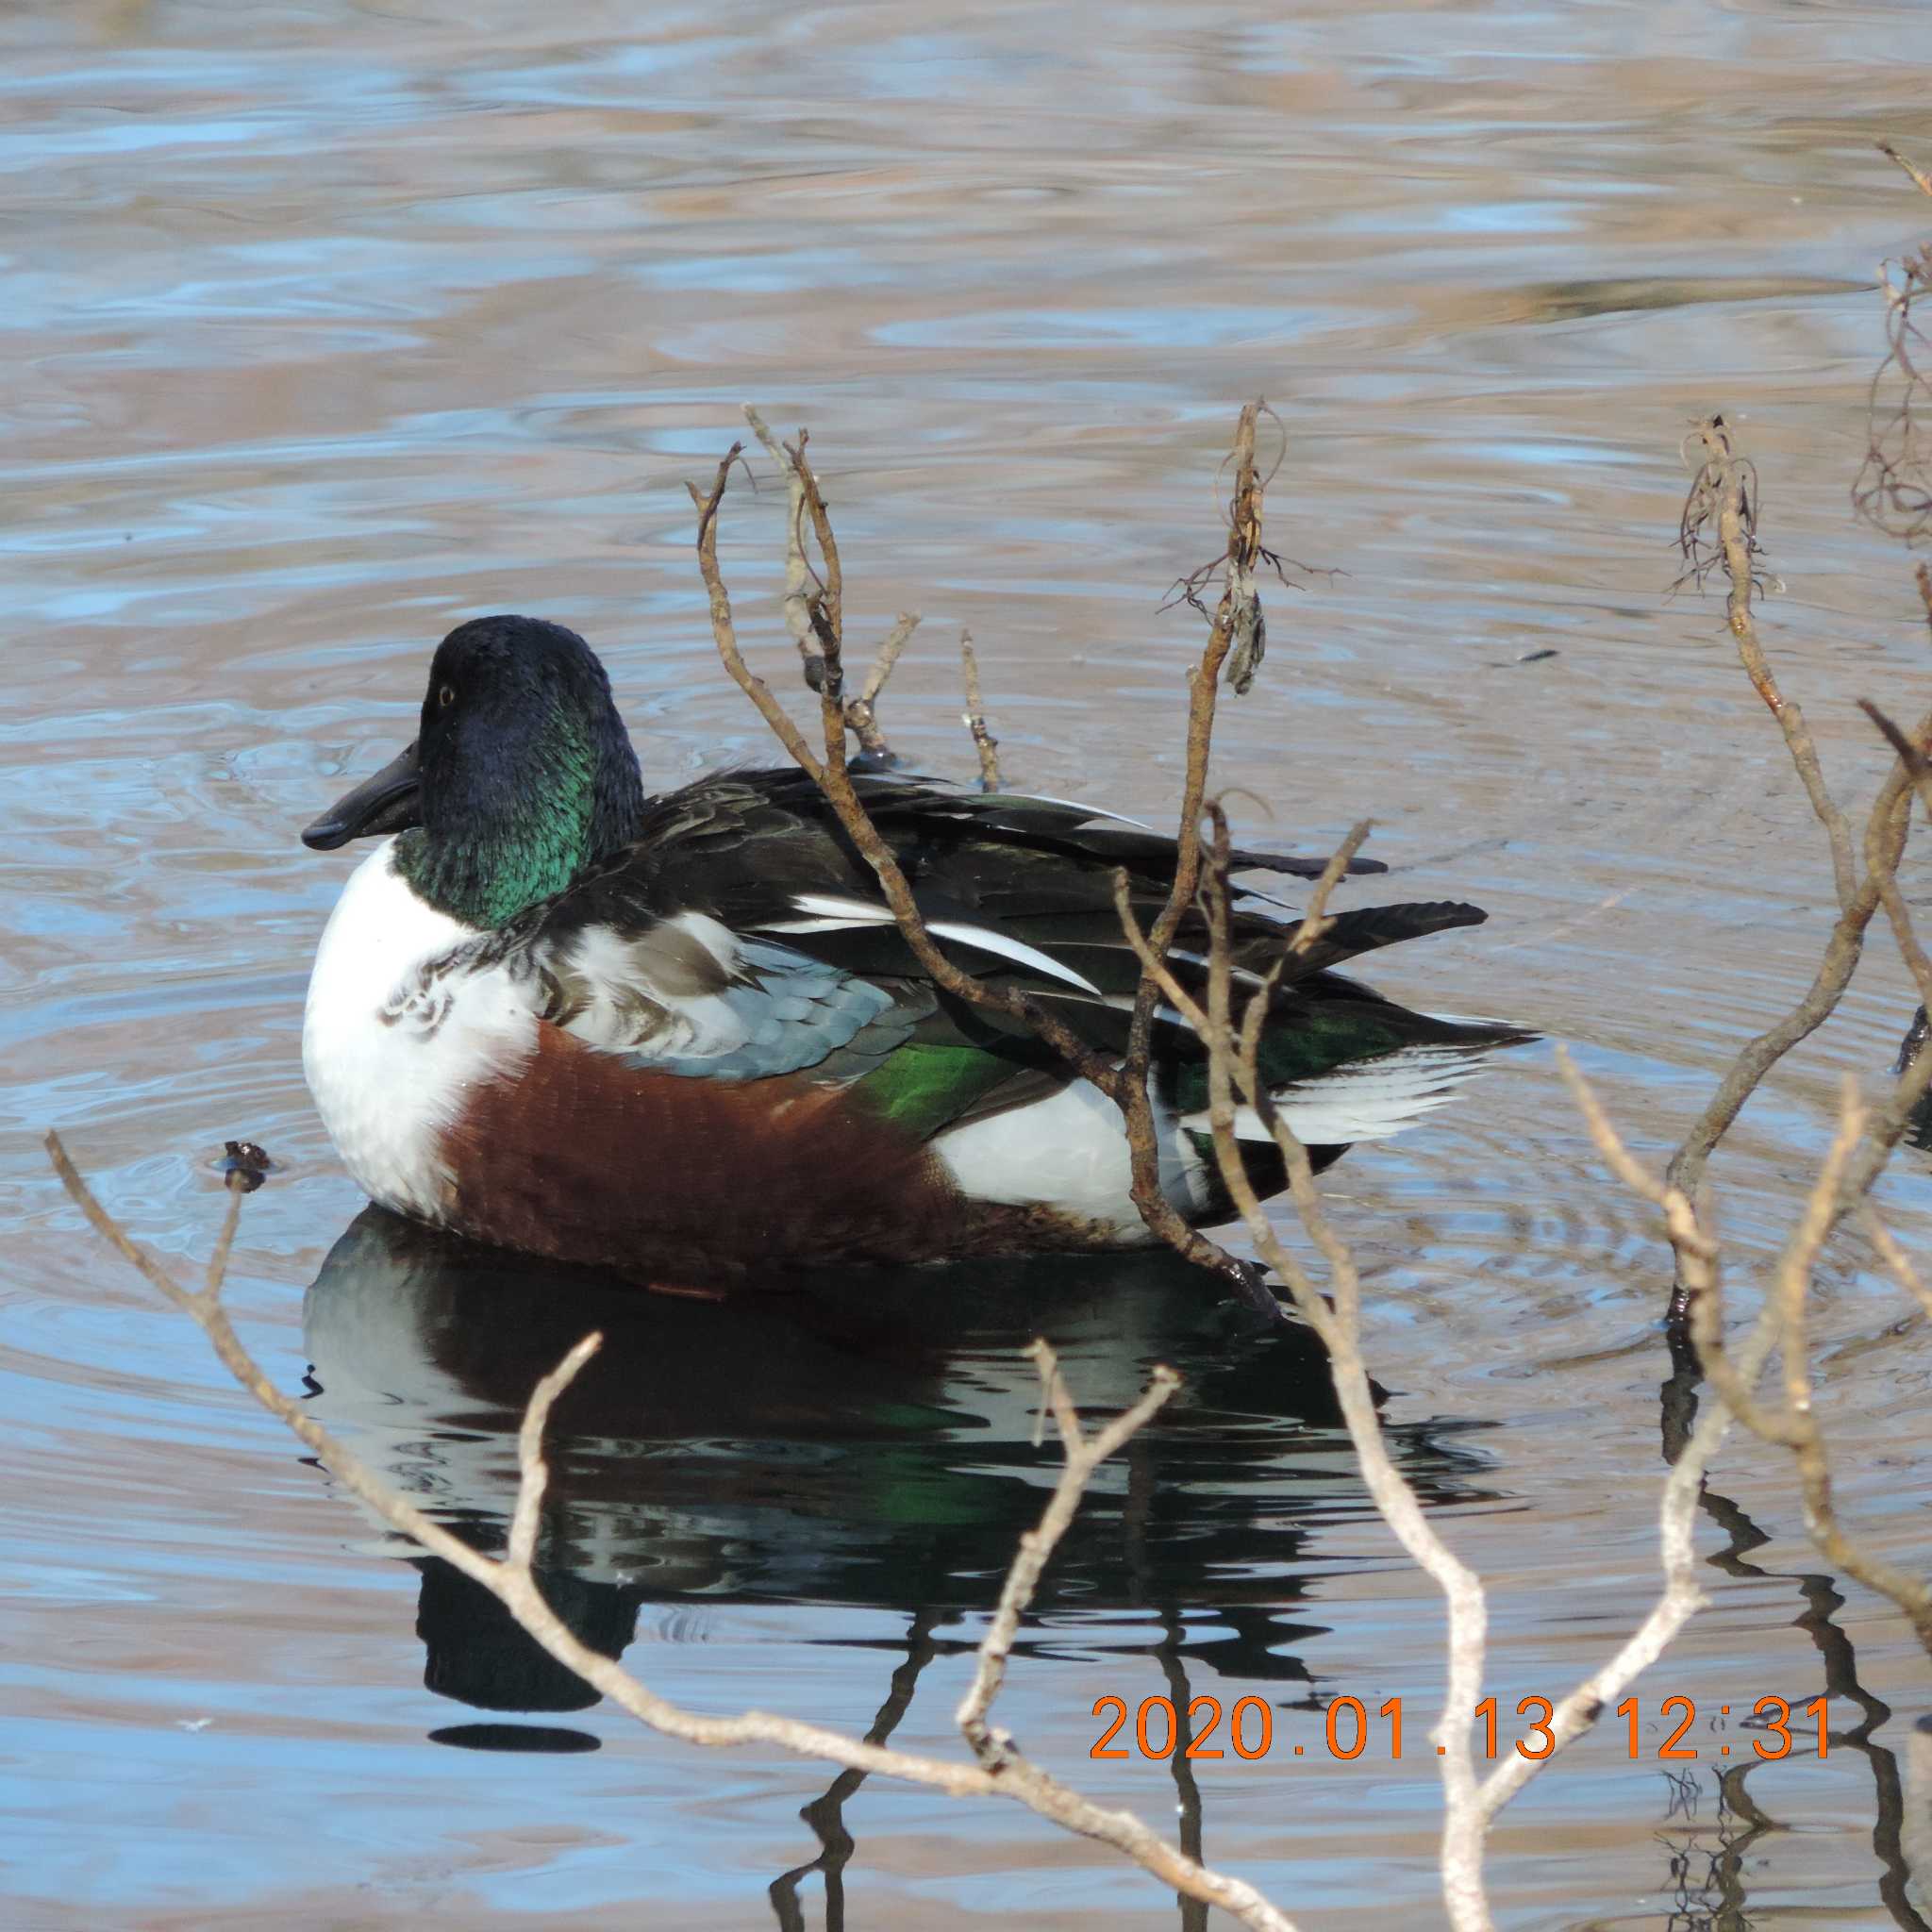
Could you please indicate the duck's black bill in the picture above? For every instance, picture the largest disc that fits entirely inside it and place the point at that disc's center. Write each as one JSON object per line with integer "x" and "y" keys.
{"x": 386, "y": 803}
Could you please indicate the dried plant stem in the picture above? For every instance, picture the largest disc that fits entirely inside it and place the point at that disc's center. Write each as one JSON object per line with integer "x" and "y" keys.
{"x": 826, "y": 768}
{"x": 1842, "y": 955}
{"x": 973, "y": 718}
{"x": 1898, "y": 1263}
{"x": 1790, "y": 1424}
{"x": 1723, "y": 495}
{"x": 1919, "y": 178}
{"x": 1237, "y": 613}
{"x": 1123, "y": 1080}
{"x": 1003, "y": 1770}
{"x": 814, "y": 608}
{"x": 1471, "y": 1803}
{"x": 1698, "y": 1257}
{"x": 1084, "y": 1455}
{"x": 861, "y": 713}
{"x": 1725, "y": 487}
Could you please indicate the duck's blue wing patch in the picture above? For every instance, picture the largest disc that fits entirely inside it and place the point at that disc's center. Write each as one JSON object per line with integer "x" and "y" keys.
{"x": 796, "y": 1013}
{"x": 688, "y": 997}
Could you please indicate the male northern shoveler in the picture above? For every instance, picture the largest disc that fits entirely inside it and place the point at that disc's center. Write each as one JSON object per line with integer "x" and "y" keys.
{"x": 681, "y": 1036}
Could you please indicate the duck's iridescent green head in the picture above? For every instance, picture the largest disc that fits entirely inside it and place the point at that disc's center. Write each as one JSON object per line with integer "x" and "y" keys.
{"x": 521, "y": 777}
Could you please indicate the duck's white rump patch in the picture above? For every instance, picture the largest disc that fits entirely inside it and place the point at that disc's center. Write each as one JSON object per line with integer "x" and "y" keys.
{"x": 389, "y": 1049}
{"x": 1067, "y": 1151}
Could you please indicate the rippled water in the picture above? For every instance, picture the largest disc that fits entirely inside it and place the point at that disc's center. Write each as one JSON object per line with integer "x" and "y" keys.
{"x": 328, "y": 325}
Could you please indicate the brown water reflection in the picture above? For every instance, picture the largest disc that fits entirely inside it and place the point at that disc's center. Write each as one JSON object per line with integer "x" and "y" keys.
{"x": 329, "y": 324}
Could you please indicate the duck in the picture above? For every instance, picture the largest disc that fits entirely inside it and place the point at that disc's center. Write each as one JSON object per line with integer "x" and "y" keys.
{"x": 680, "y": 1037}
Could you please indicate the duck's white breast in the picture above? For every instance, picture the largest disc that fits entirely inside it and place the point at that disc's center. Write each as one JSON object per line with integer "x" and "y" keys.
{"x": 390, "y": 1049}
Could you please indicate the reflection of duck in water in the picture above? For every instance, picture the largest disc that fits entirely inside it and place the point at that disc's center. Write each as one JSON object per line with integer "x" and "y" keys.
{"x": 866, "y": 1442}
{"x": 554, "y": 1014}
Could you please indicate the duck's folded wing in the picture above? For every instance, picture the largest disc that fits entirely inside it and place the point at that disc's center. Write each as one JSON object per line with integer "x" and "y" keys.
{"x": 1010, "y": 886}
{"x": 686, "y": 995}
{"x": 743, "y": 936}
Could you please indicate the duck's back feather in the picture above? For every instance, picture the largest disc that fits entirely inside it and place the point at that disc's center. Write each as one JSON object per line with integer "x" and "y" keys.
{"x": 1019, "y": 892}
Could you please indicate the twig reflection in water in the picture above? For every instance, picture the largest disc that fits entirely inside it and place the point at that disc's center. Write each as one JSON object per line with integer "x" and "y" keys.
{"x": 866, "y": 1442}
{"x": 1821, "y": 1600}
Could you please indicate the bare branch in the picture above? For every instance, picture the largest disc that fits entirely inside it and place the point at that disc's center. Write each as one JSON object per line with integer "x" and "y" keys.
{"x": 1792, "y": 1423}
{"x": 812, "y": 608}
{"x": 1914, "y": 760}
{"x": 1790, "y": 1289}
{"x": 110, "y": 1230}
{"x": 1919, "y": 178}
{"x": 1898, "y": 1263}
{"x": 1723, "y": 493}
{"x": 829, "y": 772}
{"x": 513, "y": 1585}
{"x": 725, "y": 635}
{"x": 1726, "y": 484}
{"x": 1238, "y": 616}
{"x": 1698, "y": 1258}
{"x": 1315, "y": 920}
{"x": 1125, "y": 1081}
{"x": 1084, "y": 1455}
{"x": 861, "y": 713}
{"x": 1471, "y": 1803}
{"x": 799, "y": 577}
{"x": 984, "y": 743}
{"x": 534, "y": 1470}
{"x": 1892, "y": 491}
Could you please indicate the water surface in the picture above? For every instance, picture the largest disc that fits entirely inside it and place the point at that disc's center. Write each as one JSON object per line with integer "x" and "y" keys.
{"x": 329, "y": 331}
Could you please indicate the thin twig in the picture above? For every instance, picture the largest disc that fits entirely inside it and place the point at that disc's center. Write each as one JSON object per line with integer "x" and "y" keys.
{"x": 861, "y": 713}
{"x": 1237, "y": 614}
{"x": 1892, "y": 491}
{"x": 973, "y": 718}
{"x": 1234, "y": 1078}
{"x": 1083, "y": 1454}
{"x": 513, "y": 1581}
{"x": 1725, "y": 491}
{"x": 1699, "y": 1258}
{"x": 1315, "y": 922}
{"x": 829, "y": 773}
{"x": 1921, "y": 179}
{"x": 522, "y": 1549}
{"x": 811, "y": 605}
{"x": 1792, "y": 1423}
{"x": 1123, "y": 1080}
{"x": 1898, "y": 1263}
{"x": 1726, "y": 487}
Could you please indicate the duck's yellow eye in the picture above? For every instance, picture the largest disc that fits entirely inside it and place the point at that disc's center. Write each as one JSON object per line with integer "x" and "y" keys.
{"x": 446, "y": 697}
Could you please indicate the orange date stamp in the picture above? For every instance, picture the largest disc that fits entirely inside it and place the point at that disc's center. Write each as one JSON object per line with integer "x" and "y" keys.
{"x": 1155, "y": 1729}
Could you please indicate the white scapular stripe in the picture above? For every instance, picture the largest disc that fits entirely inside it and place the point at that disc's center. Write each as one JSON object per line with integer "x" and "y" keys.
{"x": 1368, "y": 1101}
{"x": 834, "y": 914}
{"x": 830, "y": 913}
{"x": 1098, "y": 815}
{"x": 1239, "y": 973}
